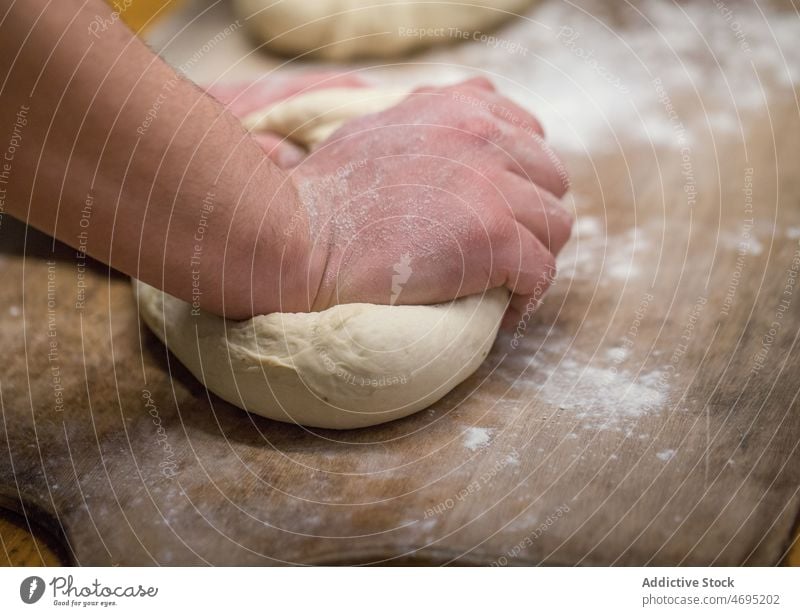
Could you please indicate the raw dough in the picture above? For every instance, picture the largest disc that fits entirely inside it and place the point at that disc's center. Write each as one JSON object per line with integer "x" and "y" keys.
{"x": 346, "y": 29}
{"x": 350, "y": 366}
{"x": 310, "y": 118}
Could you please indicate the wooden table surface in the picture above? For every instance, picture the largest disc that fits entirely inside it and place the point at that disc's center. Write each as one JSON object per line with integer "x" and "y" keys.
{"x": 649, "y": 416}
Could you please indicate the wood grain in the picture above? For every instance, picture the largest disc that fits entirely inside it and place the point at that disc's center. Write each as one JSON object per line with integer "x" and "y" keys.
{"x": 23, "y": 546}
{"x": 547, "y": 455}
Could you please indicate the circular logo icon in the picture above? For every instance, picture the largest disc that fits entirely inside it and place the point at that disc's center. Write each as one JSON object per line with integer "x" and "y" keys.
{"x": 31, "y": 589}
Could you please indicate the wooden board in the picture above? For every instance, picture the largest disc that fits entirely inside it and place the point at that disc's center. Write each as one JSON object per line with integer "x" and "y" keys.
{"x": 648, "y": 416}
{"x": 24, "y": 545}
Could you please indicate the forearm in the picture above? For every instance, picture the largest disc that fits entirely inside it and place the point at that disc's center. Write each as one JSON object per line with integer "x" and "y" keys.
{"x": 122, "y": 157}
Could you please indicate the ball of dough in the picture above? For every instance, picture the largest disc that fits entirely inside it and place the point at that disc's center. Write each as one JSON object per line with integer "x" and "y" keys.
{"x": 347, "y": 29}
{"x": 349, "y": 366}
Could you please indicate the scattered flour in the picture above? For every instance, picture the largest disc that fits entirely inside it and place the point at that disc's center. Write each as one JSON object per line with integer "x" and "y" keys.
{"x": 618, "y": 354}
{"x": 590, "y": 77}
{"x": 598, "y": 392}
{"x": 736, "y": 241}
{"x": 585, "y": 71}
{"x": 623, "y": 271}
{"x": 477, "y": 438}
{"x": 587, "y": 226}
{"x": 666, "y": 455}
{"x": 613, "y": 257}
{"x": 602, "y": 397}
{"x": 756, "y": 247}
{"x": 695, "y": 54}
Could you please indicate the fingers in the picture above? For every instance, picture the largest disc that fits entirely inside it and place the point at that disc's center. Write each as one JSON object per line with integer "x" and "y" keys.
{"x": 535, "y": 163}
{"x": 522, "y": 306}
{"x": 522, "y": 263}
{"x": 538, "y": 210}
{"x": 519, "y": 312}
{"x": 510, "y": 320}
{"x": 476, "y": 108}
{"x": 529, "y": 270}
{"x": 502, "y": 108}
{"x": 506, "y": 110}
{"x": 281, "y": 151}
{"x": 532, "y": 157}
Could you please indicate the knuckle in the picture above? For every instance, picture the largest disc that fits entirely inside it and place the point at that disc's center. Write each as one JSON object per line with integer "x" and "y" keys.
{"x": 502, "y": 229}
{"x": 481, "y": 127}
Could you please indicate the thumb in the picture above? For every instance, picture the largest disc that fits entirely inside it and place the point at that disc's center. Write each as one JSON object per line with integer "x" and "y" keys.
{"x": 281, "y": 151}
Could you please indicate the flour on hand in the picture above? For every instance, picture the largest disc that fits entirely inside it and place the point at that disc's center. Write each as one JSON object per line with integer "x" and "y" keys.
{"x": 350, "y": 366}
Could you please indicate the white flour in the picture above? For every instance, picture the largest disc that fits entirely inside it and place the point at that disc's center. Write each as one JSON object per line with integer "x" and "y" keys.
{"x": 591, "y": 81}
{"x": 593, "y": 393}
{"x": 666, "y": 455}
{"x": 477, "y": 438}
{"x": 587, "y": 77}
{"x": 592, "y": 254}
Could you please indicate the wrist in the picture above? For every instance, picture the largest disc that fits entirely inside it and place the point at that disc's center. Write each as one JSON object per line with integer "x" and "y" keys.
{"x": 311, "y": 237}
{"x": 299, "y": 272}
{"x": 282, "y": 270}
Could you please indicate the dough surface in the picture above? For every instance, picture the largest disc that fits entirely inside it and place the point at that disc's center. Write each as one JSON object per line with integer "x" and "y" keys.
{"x": 349, "y": 366}
{"x": 310, "y": 118}
{"x": 346, "y": 29}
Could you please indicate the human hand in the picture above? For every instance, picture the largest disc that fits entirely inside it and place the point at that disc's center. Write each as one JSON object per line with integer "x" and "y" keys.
{"x": 241, "y": 99}
{"x": 449, "y": 193}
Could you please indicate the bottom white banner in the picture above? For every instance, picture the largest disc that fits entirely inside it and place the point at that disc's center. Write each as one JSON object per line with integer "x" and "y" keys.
{"x": 354, "y": 591}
